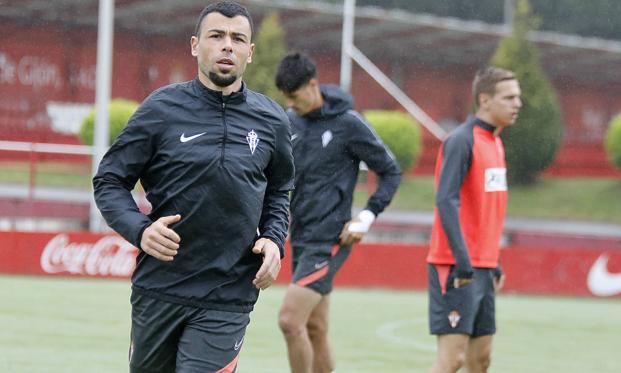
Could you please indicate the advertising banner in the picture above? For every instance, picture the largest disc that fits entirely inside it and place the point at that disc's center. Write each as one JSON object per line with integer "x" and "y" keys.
{"x": 529, "y": 269}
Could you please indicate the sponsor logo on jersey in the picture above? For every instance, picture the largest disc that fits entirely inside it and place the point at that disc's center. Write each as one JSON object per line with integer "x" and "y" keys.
{"x": 253, "y": 140}
{"x": 600, "y": 281}
{"x": 326, "y": 137}
{"x": 186, "y": 139}
{"x": 495, "y": 179}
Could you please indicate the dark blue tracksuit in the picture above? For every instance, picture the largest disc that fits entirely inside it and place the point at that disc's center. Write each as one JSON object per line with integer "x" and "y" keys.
{"x": 225, "y": 165}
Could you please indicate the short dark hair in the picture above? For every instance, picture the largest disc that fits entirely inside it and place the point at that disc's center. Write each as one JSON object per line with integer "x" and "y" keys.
{"x": 486, "y": 79}
{"x": 226, "y": 8}
{"x": 294, "y": 71}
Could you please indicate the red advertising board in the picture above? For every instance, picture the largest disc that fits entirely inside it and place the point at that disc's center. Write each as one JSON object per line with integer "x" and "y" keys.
{"x": 529, "y": 269}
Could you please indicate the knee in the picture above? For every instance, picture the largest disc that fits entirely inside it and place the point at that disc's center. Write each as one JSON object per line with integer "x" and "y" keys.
{"x": 484, "y": 360}
{"x": 289, "y": 326}
{"x": 317, "y": 329}
{"x": 458, "y": 361}
{"x": 450, "y": 363}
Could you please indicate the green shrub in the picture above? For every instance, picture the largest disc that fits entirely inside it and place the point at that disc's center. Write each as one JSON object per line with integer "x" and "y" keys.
{"x": 120, "y": 111}
{"x": 613, "y": 141}
{"x": 400, "y": 132}
{"x": 532, "y": 142}
{"x": 271, "y": 48}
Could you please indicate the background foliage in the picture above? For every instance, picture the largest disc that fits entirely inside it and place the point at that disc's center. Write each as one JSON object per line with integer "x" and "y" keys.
{"x": 532, "y": 142}
{"x": 120, "y": 111}
{"x": 613, "y": 141}
{"x": 400, "y": 132}
{"x": 270, "y": 49}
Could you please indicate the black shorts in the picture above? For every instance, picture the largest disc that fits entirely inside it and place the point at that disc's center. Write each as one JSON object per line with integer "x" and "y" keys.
{"x": 314, "y": 266}
{"x": 469, "y": 309}
{"x": 168, "y": 337}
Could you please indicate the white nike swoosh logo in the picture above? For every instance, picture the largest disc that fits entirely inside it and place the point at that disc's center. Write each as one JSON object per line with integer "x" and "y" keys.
{"x": 238, "y": 344}
{"x": 601, "y": 282}
{"x": 293, "y": 137}
{"x": 321, "y": 264}
{"x": 186, "y": 139}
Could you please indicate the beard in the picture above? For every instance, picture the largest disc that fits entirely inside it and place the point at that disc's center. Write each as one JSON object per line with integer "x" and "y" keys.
{"x": 221, "y": 81}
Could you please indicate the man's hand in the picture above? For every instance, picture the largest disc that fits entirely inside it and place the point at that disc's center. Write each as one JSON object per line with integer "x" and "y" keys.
{"x": 355, "y": 229}
{"x": 271, "y": 263}
{"x": 458, "y": 282}
{"x": 159, "y": 241}
{"x": 499, "y": 282}
{"x": 347, "y": 237}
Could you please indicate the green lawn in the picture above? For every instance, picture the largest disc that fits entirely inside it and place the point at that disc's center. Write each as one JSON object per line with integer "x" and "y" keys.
{"x": 48, "y": 174}
{"x": 76, "y": 325}
{"x": 589, "y": 199}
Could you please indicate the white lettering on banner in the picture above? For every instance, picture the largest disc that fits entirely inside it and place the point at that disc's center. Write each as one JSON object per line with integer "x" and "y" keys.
{"x": 37, "y": 72}
{"x": 83, "y": 77}
{"x": 30, "y": 71}
{"x": 7, "y": 69}
{"x": 109, "y": 256}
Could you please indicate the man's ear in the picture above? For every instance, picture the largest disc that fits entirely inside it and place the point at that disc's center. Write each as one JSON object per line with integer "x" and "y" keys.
{"x": 249, "y": 59}
{"x": 484, "y": 99}
{"x": 194, "y": 46}
{"x": 314, "y": 82}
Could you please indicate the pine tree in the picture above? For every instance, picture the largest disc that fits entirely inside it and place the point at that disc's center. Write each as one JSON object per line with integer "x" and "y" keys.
{"x": 532, "y": 142}
{"x": 270, "y": 49}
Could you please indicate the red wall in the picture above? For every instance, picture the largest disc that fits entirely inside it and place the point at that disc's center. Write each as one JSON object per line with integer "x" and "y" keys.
{"x": 581, "y": 271}
{"x": 41, "y": 64}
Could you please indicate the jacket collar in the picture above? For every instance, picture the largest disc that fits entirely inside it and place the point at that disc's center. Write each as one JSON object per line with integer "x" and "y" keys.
{"x": 481, "y": 123}
{"x": 217, "y": 97}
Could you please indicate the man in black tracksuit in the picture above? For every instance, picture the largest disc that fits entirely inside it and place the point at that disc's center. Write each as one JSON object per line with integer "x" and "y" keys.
{"x": 215, "y": 161}
{"x": 329, "y": 141}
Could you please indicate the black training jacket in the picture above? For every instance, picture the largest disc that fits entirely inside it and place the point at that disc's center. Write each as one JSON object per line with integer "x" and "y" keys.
{"x": 328, "y": 145}
{"x": 224, "y": 163}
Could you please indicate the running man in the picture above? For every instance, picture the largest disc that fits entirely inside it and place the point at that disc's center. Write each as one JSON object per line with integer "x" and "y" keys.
{"x": 215, "y": 161}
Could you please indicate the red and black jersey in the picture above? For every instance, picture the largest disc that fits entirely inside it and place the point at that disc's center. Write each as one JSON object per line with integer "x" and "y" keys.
{"x": 471, "y": 198}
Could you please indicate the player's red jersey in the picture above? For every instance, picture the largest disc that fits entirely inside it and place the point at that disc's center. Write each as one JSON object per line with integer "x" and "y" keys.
{"x": 471, "y": 196}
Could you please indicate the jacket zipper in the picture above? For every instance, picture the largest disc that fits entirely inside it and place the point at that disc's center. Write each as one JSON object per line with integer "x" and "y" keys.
{"x": 225, "y": 134}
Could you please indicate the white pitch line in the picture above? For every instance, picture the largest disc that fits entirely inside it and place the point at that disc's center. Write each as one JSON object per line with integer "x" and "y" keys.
{"x": 388, "y": 332}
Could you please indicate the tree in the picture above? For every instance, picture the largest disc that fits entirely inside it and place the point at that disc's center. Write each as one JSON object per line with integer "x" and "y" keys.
{"x": 400, "y": 132}
{"x": 271, "y": 48}
{"x": 120, "y": 111}
{"x": 532, "y": 142}
{"x": 613, "y": 141}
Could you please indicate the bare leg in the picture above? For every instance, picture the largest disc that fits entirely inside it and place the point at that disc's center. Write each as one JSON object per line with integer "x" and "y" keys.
{"x": 294, "y": 314}
{"x": 323, "y": 360}
{"x": 478, "y": 354}
{"x": 451, "y": 353}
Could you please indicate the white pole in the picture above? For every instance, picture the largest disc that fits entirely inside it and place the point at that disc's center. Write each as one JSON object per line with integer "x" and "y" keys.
{"x": 509, "y": 11}
{"x": 349, "y": 8}
{"x": 105, "y": 35}
{"x": 397, "y": 93}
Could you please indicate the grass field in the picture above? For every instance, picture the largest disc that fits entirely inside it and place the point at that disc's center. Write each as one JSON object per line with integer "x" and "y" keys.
{"x": 77, "y": 325}
{"x": 589, "y": 199}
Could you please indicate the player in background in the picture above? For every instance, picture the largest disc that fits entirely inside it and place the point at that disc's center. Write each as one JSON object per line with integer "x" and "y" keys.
{"x": 329, "y": 140}
{"x": 471, "y": 198}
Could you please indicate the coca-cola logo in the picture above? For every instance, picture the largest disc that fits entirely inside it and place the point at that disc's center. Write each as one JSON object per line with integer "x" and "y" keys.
{"x": 109, "y": 256}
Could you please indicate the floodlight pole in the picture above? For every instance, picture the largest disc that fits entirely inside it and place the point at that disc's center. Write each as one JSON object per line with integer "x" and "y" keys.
{"x": 105, "y": 35}
{"x": 349, "y": 8}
